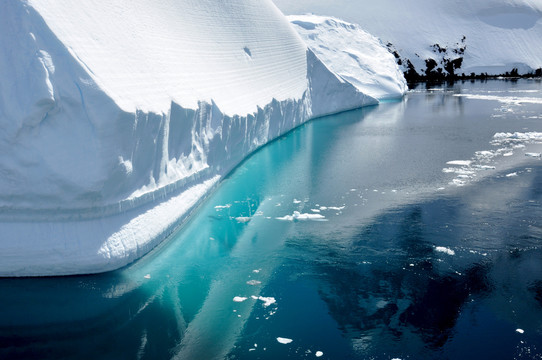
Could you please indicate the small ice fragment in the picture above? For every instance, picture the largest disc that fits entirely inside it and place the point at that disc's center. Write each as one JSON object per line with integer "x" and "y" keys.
{"x": 445, "y": 250}
{"x": 297, "y": 216}
{"x": 242, "y": 219}
{"x": 510, "y": 153}
{"x": 284, "y": 340}
{"x": 267, "y": 300}
{"x": 338, "y": 208}
{"x": 254, "y": 282}
{"x": 441, "y": 188}
{"x": 521, "y": 331}
{"x": 239, "y": 299}
{"x": 255, "y": 271}
{"x": 218, "y": 207}
{"x": 212, "y": 238}
{"x": 353, "y": 190}
{"x": 278, "y": 204}
{"x": 315, "y": 210}
{"x": 254, "y": 297}
{"x": 533, "y": 154}
{"x": 411, "y": 264}
{"x": 394, "y": 191}
{"x": 319, "y": 353}
{"x": 297, "y": 201}
{"x": 323, "y": 207}
{"x": 459, "y": 162}
{"x": 512, "y": 174}
{"x": 148, "y": 276}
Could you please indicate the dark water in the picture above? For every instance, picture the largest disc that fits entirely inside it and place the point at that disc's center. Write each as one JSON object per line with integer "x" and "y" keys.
{"x": 409, "y": 262}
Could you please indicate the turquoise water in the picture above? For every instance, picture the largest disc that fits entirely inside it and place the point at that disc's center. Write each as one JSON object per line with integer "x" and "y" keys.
{"x": 412, "y": 257}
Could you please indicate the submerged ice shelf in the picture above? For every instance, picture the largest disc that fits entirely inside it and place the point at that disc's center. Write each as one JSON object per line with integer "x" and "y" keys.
{"x": 112, "y": 134}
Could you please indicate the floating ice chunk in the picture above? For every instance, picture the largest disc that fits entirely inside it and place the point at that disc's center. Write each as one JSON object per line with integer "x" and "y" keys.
{"x": 458, "y": 182}
{"x": 254, "y": 282}
{"x": 533, "y": 154}
{"x": 297, "y": 201}
{"x": 460, "y": 162}
{"x": 242, "y": 219}
{"x": 255, "y": 271}
{"x": 148, "y": 276}
{"x": 509, "y": 153}
{"x": 239, "y": 299}
{"x": 284, "y": 340}
{"x": 315, "y": 210}
{"x": 521, "y": 331}
{"x": 512, "y": 174}
{"x": 219, "y": 207}
{"x": 445, "y": 250}
{"x": 319, "y": 353}
{"x": 484, "y": 154}
{"x": 267, "y": 300}
{"x": 338, "y": 208}
{"x": 297, "y": 216}
{"x": 485, "y": 167}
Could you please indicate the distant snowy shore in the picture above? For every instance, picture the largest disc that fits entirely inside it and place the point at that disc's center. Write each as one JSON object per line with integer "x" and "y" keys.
{"x": 118, "y": 118}
{"x": 446, "y": 39}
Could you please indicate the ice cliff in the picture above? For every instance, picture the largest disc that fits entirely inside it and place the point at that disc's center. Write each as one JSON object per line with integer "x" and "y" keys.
{"x": 118, "y": 117}
{"x": 483, "y": 36}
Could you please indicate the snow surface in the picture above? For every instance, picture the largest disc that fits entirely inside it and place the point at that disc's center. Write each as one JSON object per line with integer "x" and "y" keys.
{"x": 354, "y": 54}
{"x": 499, "y": 34}
{"x": 118, "y": 118}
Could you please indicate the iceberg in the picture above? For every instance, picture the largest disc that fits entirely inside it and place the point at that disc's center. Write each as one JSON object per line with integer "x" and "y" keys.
{"x": 118, "y": 118}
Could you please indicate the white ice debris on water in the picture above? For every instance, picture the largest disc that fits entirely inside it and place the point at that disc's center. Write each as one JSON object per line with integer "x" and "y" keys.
{"x": 119, "y": 117}
{"x": 239, "y": 299}
{"x": 253, "y": 282}
{"x": 521, "y": 331}
{"x": 445, "y": 250}
{"x": 319, "y": 354}
{"x": 284, "y": 340}
{"x": 297, "y": 216}
{"x": 267, "y": 301}
{"x": 459, "y": 162}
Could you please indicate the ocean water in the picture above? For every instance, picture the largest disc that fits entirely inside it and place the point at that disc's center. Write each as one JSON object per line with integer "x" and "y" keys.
{"x": 410, "y": 230}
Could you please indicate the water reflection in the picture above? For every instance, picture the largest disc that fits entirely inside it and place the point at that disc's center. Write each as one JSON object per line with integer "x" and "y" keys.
{"x": 406, "y": 265}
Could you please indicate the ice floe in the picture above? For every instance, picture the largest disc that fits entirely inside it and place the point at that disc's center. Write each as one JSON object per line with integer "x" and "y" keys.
{"x": 445, "y": 250}
{"x": 297, "y": 216}
{"x": 284, "y": 340}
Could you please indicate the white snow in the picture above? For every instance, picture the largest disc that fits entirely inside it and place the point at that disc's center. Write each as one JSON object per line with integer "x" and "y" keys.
{"x": 118, "y": 118}
{"x": 354, "y": 54}
{"x": 499, "y": 34}
{"x": 284, "y": 340}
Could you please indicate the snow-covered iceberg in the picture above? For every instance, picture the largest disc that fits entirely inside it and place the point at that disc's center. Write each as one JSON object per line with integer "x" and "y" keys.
{"x": 117, "y": 118}
{"x": 352, "y": 53}
{"x": 483, "y": 36}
